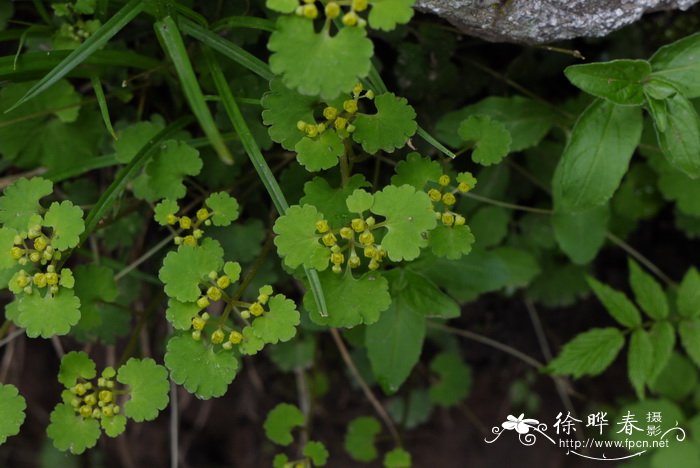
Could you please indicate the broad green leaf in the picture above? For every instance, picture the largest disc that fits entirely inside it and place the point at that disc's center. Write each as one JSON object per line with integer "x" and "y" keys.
{"x": 451, "y": 242}
{"x": 282, "y": 6}
{"x": 294, "y": 354}
{"x": 7, "y": 241}
{"x": 68, "y": 431}
{"x": 279, "y": 323}
{"x": 689, "y": 331}
{"x": 589, "y": 353}
{"x": 113, "y": 425}
{"x": 422, "y": 294}
{"x": 359, "y": 438}
{"x": 203, "y": 371}
{"x": 165, "y": 173}
{"x": 317, "y": 452}
{"x": 640, "y": 360}
{"x": 679, "y": 63}
{"x": 283, "y": 108}
{"x": 331, "y": 201}
{"x": 251, "y": 343}
{"x": 148, "y": 388}
{"x": 280, "y": 422}
{"x": 180, "y": 314}
{"x": 359, "y": 201}
{"x": 490, "y": 225}
{"x": 648, "y": 292}
{"x": 318, "y": 63}
{"x": 319, "y": 153}
{"x": 409, "y": 214}
{"x": 455, "y": 379}
{"x": 677, "y": 379}
{"x": 596, "y": 156}
{"x": 224, "y": 208}
{"x": 48, "y": 315}
{"x": 12, "y": 406}
{"x": 397, "y": 458}
{"x": 297, "y": 241}
{"x": 413, "y": 410}
{"x": 388, "y": 129}
{"x": 619, "y": 81}
{"x": 616, "y": 303}
{"x": 19, "y": 204}
{"x": 76, "y": 365}
{"x": 663, "y": 340}
{"x": 688, "y": 299}
{"x": 184, "y": 268}
{"x": 66, "y": 222}
{"x": 351, "y": 301}
{"x": 581, "y": 234}
{"x": 386, "y": 14}
{"x": 163, "y": 210}
{"x": 134, "y": 137}
{"x": 417, "y": 171}
{"x": 491, "y": 139}
{"x": 680, "y": 142}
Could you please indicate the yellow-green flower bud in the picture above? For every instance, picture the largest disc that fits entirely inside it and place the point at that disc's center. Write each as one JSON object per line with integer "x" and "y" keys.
{"x": 185, "y": 222}
{"x": 448, "y": 219}
{"x": 369, "y": 94}
{"x": 354, "y": 261}
{"x": 40, "y": 243}
{"x": 459, "y": 220}
{"x": 202, "y": 302}
{"x": 85, "y": 411}
{"x": 463, "y": 187}
{"x": 311, "y": 130}
{"x": 202, "y": 214}
{"x": 197, "y": 233}
{"x": 90, "y": 399}
{"x": 310, "y": 11}
{"x": 178, "y": 240}
{"x": 350, "y": 106}
{"x": 340, "y": 123}
{"x": 79, "y": 389}
{"x": 51, "y": 279}
{"x": 196, "y": 335}
{"x": 366, "y": 238}
{"x": 107, "y": 411}
{"x": 301, "y": 125}
{"x": 96, "y": 413}
{"x": 434, "y": 195}
{"x": 39, "y": 280}
{"x": 198, "y": 323}
{"x": 171, "y": 219}
{"x": 373, "y": 264}
{"x": 322, "y": 226}
{"x": 217, "y": 337}
{"x": 357, "y": 89}
{"x": 17, "y": 252}
{"x": 337, "y": 258}
{"x": 223, "y": 282}
{"x": 369, "y": 251}
{"x": 190, "y": 240}
{"x": 235, "y": 337}
{"x": 359, "y": 5}
{"x": 256, "y": 309}
{"x": 350, "y": 18}
{"x": 332, "y": 11}
{"x": 330, "y": 112}
{"x": 444, "y": 180}
{"x": 245, "y": 314}
{"x": 214, "y": 293}
{"x": 337, "y": 269}
{"x": 329, "y": 239}
{"x": 449, "y": 199}
{"x": 106, "y": 396}
{"x": 346, "y": 233}
{"x": 358, "y": 224}
{"x": 35, "y": 257}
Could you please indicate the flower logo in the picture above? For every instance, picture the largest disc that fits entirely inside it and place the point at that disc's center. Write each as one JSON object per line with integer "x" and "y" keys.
{"x": 522, "y": 426}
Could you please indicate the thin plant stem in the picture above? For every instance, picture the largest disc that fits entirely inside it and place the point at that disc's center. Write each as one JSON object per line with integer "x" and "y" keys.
{"x": 641, "y": 258}
{"x": 511, "y": 206}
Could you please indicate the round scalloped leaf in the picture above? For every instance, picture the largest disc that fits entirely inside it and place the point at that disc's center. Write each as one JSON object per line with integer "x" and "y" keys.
{"x": 397, "y": 458}
{"x": 409, "y": 215}
{"x": 283, "y": 109}
{"x": 184, "y": 268}
{"x": 350, "y": 301}
{"x": 148, "y": 388}
{"x": 417, "y": 171}
{"x": 166, "y": 171}
{"x": 66, "y": 221}
{"x": 280, "y": 422}
{"x": 297, "y": 241}
{"x": 7, "y": 241}
{"x": 386, "y": 14}
{"x": 76, "y": 365}
{"x": 251, "y": 343}
{"x": 359, "y": 201}
{"x": 68, "y": 431}
{"x": 12, "y": 406}
{"x": 451, "y": 241}
{"x": 48, "y": 315}
{"x": 359, "y": 438}
{"x": 113, "y": 425}
{"x": 203, "y": 371}
{"x": 232, "y": 270}
{"x": 317, "y": 452}
{"x": 318, "y": 63}
{"x": 491, "y": 138}
{"x": 19, "y": 205}
{"x": 388, "y": 129}
{"x": 224, "y": 208}
{"x": 67, "y": 279}
{"x": 180, "y": 314}
{"x": 319, "y": 153}
{"x": 330, "y": 200}
{"x": 133, "y": 138}
{"x": 279, "y": 323}
{"x": 467, "y": 178}
{"x": 163, "y": 210}
{"x": 455, "y": 379}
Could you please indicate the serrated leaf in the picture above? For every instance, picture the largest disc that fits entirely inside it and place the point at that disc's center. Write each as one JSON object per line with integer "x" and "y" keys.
{"x": 397, "y": 458}
{"x": 164, "y": 209}
{"x": 616, "y": 303}
{"x": 148, "y": 388}
{"x": 680, "y": 142}
{"x": 279, "y": 323}
{"x": 180, "y": 314}
{"x": 12, "y": 406}
{"x": 69, "y": 431}
{"x": 251, "y": 343}
{"x": 19, "y": 205}
{"x": 317, "y": 452}
{"x": 582, "y": 234}
{"x": 409, "y": 214}
{"x": 297, "y": 241}
{"x": 67, "y": 223}
{"x": 331, "y": 201}
{"x": 663, "y": 340}
{"x": 203, "y": 371}
{"x": 113, "y": 425}
{"x": 454, "y": 382}
{"x": 283, "y": 108}
{"x": 677, "y": 379}
{"x": 640, "y": 360}
{"x": 416, "y": 171}
{"x": 688, "y": 299}
{"x": 689, "y": 331}
{"x": 134, "y": 137}
{"x": 679, "y": 63}
{"x": 166, "y": 171}
{"x": 389, "y": 128}
{"x": 319, "y": 153}
{"x": 183, "y": 269}
{"x": 7, "y": 241}
{"x": 75, "y": 365}
{"x": 350, "y": 301}
{"x": 359, "y": 438}
{"x": 491, "y": 138}
{"x": 589, "y": 353}
{"x": 596, "y": 156}
{"x": 359, "y": 201}
{"x": 48, "y": 315}
{"x": 619, "y": 81}
{"x": 386, "y": 14}
{"x": 648, "y": 292}
{"x": 318, "y": 64}
{"x": 451, "y": 242}
{"x": 224, "y": 208}
{"x": 280, "y": 422}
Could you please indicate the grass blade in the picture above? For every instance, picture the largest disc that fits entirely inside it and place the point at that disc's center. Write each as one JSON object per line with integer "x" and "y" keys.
{"x": 87, "y": 165}
{"x": 87, "y": 48}
{"x": 248, "y": 22}
{"x": 258, "y": 161}
{"x": 102, "y": 103}
{"x": 170, "y": 38}
{"x": 226, "y": 48}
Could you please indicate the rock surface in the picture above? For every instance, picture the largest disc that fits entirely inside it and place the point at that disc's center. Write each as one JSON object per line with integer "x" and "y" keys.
{"x": 539, "y": 21}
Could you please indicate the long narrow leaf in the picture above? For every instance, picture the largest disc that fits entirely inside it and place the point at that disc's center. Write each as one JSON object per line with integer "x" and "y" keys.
{"x": 258, "y": 161}
{"x": 171, "y": 39}
{"x": 102, "y": 103}
{"x": 87, "y": 48}
{"x": 87, "y": 165}
{"x": 226, "y": 48}
{"x": 248, "y": 22}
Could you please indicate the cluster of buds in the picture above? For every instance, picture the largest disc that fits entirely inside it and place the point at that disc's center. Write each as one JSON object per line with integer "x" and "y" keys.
{"x": 357, "y": 236}
{"x": 445, "y": 195}
{"x": 95, "y": 400}
{"x": 22, "y": 281}
{"x": 33, "y": 246}
{"x": 338, "y": 119}
{"x": 334, "y": 10}
{"x": 188, "y": 224}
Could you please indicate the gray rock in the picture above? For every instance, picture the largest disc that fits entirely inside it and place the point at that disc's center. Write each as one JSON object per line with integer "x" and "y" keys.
{"x": 539, "y": 21}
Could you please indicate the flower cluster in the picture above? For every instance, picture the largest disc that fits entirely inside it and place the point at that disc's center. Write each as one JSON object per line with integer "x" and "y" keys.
{"x": 186, "y": 223}
{"x": 357, "y": 236}
{"x": 338, "y": 119}
{"x": 95, "y": 400}
{"x": 333, "y": 9}
{"x": 444, "y": 199}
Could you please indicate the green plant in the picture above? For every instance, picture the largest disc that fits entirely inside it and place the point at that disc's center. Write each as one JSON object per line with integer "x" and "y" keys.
{"x": 382, "y": 231}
